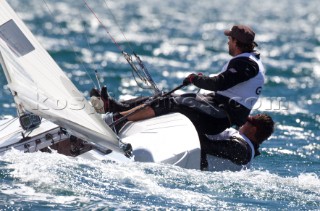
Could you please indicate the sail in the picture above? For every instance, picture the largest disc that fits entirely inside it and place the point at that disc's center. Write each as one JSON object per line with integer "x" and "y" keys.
{"x": 41, "y": 87}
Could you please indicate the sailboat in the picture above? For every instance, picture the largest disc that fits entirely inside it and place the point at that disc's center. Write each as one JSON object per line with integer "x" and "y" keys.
{"x": 54, "y": 115}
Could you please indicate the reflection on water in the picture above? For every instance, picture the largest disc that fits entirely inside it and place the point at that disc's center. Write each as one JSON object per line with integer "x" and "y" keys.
{"x": 175, "y": 38}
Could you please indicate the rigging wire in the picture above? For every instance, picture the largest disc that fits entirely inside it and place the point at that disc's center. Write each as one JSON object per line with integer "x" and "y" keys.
{"x": 70, "y": 44}
{"x": 116, "y": 22}
{"x": 113, "y": 40}
{"x": 91, "y": 49}
{"x": 141, "y": 72}
{"x": 8, "y": 123}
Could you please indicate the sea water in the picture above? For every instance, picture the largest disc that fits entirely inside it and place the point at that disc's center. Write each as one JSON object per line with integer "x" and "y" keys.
{"x": 174, "y": 39}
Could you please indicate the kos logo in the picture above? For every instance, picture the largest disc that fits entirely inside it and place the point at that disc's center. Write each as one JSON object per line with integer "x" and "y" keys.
{"x": 258, "y": 90}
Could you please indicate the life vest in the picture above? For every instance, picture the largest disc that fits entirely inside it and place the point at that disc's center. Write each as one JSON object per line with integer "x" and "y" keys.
{"x": 247, "y": 92}
{"x": 222, "y": 164}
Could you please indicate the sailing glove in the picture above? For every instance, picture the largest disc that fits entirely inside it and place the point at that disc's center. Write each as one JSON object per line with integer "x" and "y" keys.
{"x": 189, "y": 79}
{"x": 98, "y": 104}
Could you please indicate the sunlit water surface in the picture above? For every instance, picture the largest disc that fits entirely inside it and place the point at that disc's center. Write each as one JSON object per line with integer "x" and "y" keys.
{"x": 175, "y": 38}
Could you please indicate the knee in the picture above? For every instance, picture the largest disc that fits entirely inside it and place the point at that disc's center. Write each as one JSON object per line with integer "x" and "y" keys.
{"x": 163, "y": 106}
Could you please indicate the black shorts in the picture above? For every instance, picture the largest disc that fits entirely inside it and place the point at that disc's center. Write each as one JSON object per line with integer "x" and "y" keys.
{"x": 207, "y": 117}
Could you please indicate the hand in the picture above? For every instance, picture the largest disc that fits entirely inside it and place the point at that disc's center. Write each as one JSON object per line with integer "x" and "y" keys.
{"x": 188, "y": 80}
{"x": 97, "y": 104}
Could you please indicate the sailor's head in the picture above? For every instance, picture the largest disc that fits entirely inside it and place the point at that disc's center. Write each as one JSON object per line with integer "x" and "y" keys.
{"x": 244, "y": 37}
{"x": 261, "y": 126}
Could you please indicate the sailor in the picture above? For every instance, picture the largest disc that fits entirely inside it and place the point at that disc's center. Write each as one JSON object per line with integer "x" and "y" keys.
{"x": 234, "y": 91}
{"x": 235, "y": 149}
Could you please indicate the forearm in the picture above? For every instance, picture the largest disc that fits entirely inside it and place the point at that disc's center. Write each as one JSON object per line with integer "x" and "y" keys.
{"x": 208, "y": 83}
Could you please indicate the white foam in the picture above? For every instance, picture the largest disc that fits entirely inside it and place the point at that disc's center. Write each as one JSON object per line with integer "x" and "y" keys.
{"x": 42, "y": 176}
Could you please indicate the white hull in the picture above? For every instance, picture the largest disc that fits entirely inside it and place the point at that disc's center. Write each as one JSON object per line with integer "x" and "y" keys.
{"x": 170, "y": 139}
{"x": 13, "y": 136}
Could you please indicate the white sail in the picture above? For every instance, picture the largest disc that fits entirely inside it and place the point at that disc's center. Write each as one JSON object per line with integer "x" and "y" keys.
{"x": 41, "y": 87}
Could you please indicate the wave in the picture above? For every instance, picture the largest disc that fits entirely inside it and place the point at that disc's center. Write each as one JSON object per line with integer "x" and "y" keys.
{"x": 65, "y": 182}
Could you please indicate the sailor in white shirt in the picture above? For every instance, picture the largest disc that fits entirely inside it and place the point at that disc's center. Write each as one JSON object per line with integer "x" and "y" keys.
{"x": 235, "y": 149}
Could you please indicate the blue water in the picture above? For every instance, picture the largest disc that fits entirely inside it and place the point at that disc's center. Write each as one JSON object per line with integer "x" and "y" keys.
{"x": 175, "y": 38}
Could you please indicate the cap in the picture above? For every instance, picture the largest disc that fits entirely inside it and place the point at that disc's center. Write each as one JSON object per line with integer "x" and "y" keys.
{"x": 242, "y": 33}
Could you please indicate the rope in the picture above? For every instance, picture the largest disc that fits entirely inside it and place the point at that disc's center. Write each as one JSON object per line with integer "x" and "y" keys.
{"x": 141, "y": 72}
{"x": 95, "y": 15}
{"x": 115, "y": 20}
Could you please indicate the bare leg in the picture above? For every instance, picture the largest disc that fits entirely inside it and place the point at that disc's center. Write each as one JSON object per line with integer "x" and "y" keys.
{"x": 145, "y": 113}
